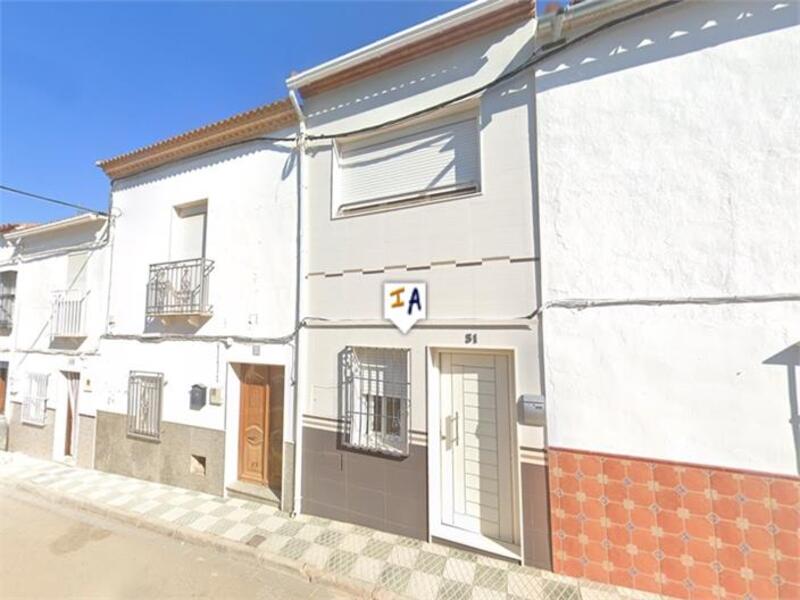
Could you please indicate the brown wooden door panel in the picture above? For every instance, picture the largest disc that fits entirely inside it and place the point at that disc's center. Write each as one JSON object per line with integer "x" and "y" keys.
{"x": 68, "y": 435}
{"x": 254, "y": 424}
{"x": 275, "y": 451}
{"x": 261, "y": 425}
{"x": 3, "y": 378}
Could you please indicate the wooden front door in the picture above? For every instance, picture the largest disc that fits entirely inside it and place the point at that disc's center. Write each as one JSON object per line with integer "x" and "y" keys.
{"x": 261, "y": 425}
{"x": 73, "y": 385}
{"x": 3, "y": 380}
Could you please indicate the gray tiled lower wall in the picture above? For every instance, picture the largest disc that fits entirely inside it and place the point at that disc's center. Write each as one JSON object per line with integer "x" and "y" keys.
{"x": 33, "y": 440}
{"x": 535, "y": 516}
{"x": 385, "y": 493}
{"x": 85, "y": 442}
{"x": 167, "y": 461}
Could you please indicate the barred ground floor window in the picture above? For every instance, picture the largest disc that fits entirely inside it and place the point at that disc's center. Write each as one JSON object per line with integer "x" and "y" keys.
{"x": 34, "y": 403}
{"x": 375, "y": 388}
{"x": 144, "y": 404}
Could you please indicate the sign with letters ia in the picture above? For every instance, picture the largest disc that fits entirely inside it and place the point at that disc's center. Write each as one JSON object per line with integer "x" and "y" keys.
{"x": 405, "y": 303}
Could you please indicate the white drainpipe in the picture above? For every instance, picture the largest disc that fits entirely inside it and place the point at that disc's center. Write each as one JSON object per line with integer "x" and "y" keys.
{"x": 298, "y": 357}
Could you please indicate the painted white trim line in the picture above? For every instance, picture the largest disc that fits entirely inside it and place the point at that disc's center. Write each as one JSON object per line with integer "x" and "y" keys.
{"x": 464, "y": 14}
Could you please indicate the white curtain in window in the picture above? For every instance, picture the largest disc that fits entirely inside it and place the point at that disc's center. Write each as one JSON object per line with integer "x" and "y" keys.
{"x": 435, "y": 160}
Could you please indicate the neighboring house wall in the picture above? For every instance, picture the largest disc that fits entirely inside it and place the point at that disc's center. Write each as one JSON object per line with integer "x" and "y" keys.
{"x": 71, "y": 260}
{"x": 667, "y": 172}
{"x": 478, "y": 256}
{"x": 251, "y": 236}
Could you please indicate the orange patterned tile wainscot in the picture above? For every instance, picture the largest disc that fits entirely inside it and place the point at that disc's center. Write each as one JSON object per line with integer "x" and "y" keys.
{"x": 685, "y": 531}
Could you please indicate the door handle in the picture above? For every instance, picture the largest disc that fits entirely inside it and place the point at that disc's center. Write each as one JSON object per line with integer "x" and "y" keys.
{"x": 448, "y": 437}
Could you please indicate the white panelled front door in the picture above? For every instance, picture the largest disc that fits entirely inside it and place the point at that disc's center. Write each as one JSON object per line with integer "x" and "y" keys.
{"x": 476, "y": 502}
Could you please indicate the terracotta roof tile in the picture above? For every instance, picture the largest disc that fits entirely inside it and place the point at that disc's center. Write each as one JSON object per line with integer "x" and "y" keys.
{"x": 240, "y": 127}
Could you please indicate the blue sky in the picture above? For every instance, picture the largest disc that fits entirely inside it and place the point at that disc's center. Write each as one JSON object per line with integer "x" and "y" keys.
{"x": 81, "y": 81}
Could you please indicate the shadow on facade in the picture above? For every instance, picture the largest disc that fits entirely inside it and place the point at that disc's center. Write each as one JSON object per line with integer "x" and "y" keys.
{"x": 790, "y": 358}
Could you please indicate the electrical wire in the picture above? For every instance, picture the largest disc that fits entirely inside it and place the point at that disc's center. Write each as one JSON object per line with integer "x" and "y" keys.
{"x": 533, "y": 60}
{"x": 53, "y": 200}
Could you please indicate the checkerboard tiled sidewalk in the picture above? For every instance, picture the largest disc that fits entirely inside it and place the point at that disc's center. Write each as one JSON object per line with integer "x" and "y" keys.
{"x": 365, "y": 559}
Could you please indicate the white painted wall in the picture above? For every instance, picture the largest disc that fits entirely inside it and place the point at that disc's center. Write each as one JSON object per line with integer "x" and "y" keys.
{"x": 251, "y": 236}
{"x": 41, "y": 262}
{"x": 668, "y": 167}
{"x": 495, "y": 223}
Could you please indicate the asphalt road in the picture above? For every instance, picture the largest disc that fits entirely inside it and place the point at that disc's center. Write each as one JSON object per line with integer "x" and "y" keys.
{"x": 49, "y": 551}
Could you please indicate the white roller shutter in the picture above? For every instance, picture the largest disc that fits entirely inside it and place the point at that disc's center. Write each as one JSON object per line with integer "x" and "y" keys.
{"x": 435, "y": 161}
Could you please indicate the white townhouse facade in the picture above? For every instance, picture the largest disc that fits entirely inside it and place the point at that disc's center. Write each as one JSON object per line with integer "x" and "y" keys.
{"x": 418, "y": 434}
{"x": 605, "y": 380}
{"x": 198, "y": 362}
{"x": 668, "y": 183}
{"x": 52, "y": 294}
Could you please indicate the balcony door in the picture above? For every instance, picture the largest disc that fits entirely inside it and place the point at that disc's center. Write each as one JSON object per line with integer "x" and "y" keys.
{"x": 188, "y": 235}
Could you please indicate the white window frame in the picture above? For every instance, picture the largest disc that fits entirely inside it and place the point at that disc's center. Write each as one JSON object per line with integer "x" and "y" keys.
{"x": 367, "y": 394}
{"x": 34, "y": 403}
{"x": 342, "y": 207}
{"x": 145, "y": 401}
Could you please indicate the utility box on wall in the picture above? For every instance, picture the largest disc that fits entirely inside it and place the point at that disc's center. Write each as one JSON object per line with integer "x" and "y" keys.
{"x": 531, "y": 410}
{"x": 197, "y": 397}
{"x": 215, "y": 396}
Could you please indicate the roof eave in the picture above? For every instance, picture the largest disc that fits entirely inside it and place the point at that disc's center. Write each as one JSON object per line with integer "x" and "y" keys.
{"x": 469, "y": 13}
{"x": 55, "y": 226}
{"x": 238, "y": 128}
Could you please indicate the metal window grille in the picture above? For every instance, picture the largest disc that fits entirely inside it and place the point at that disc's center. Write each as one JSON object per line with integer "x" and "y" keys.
{"x": 144, "y": 404}
{"x": 34, "y": 404}
{"x": 376, "y": 392}
{"x": 179, "y": 288}
{"x": 8, "y": 290}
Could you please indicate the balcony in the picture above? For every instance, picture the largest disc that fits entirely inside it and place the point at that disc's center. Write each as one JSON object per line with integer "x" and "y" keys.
{"x": 179, "y": 288}
{"x": 68, "y": 314}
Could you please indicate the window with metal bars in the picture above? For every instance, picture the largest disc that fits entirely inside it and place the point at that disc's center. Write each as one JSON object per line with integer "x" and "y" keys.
{"x": 8, "y": 293}
{"x": 375, "y": 387}
{"x": 34, "y": 404}
{"x": 144, "y": 404}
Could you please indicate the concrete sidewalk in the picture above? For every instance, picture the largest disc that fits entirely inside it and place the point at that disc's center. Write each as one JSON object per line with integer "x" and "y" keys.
{"x": 351, "y": 558}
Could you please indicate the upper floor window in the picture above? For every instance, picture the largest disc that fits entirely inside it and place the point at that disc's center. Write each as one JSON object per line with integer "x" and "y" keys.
{"x": 77, "y": 267}
{"x": 8, "y": 293}
{"x": 427, "y": 161}
{"x": 188, "y": 231}
{"x": 69, "y": 305}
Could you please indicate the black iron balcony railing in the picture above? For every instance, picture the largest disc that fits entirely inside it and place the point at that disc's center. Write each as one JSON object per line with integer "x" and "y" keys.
{"x": 179, "y": 288}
